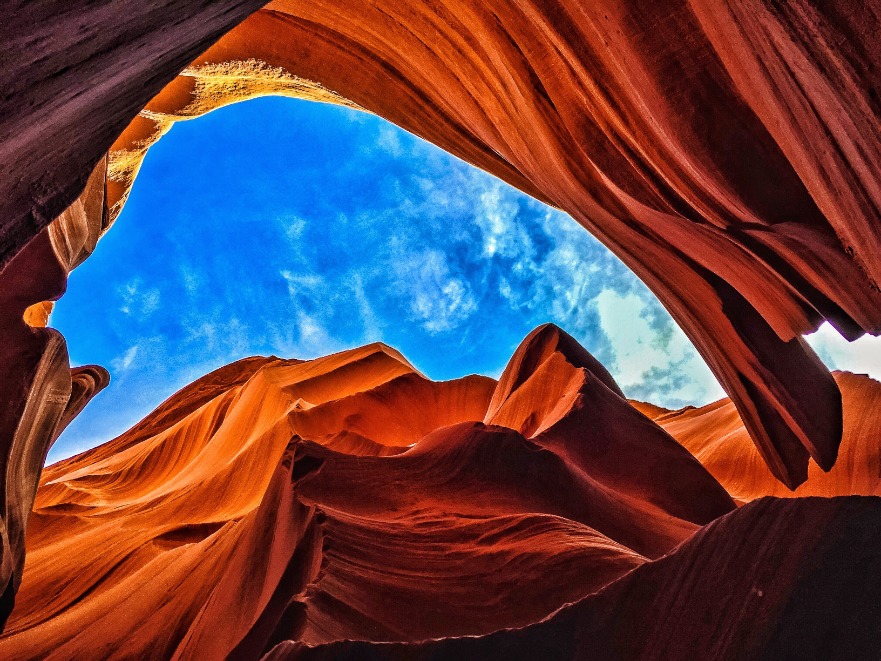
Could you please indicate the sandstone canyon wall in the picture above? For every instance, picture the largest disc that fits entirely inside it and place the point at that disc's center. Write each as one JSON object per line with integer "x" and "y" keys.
{"x": 726, "y": 150}
{"x": 286, "y": 508}
{"x": 368, "y": 524}
{"x": 715, "y": 435}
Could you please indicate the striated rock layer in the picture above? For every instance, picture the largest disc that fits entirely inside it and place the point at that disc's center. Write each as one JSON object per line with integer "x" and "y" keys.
{"x": 726, "y": 150}
{"x": 286, "y": 508}
{"x": 349, "y": 497}
{"x": 716, "y": 436}
{"x": 778, "y": 579}
{"x": 39, "y": 392}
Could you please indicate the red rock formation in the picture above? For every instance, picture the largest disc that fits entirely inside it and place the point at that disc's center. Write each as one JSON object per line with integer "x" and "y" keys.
{"x": 40, "y": 393}
{"x": 86, "y": 382}
{"x": 768, "y": 581}
{"x": 287, "y": 508}
{"x": 35, "y": 387}
{"x": 349, "y": 497}
{"x": 724, "y": 150}
{"x": 716, "y": 436}
{"x": 560, "y": 397}
{"x": 742, "y": 262}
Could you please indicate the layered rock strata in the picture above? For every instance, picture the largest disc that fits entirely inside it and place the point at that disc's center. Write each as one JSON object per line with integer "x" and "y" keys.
{"x": 349, "y": 497}
{"x": 286, "y": 508}
{"x": 726, "y": 150}
{"x": 715, "y": 435}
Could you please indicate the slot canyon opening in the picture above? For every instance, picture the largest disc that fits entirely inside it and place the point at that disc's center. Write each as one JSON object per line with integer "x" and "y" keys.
{"x": 288, "y": 227}
{"x": 745, "y": 264}
{"x": 723, "y": 151}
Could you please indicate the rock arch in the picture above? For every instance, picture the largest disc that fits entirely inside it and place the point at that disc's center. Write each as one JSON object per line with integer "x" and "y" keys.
{"x": 725, "y": 150}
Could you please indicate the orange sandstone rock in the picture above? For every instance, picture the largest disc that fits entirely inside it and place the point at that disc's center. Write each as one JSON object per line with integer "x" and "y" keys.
{"x": 349, "y": 497}
{"x": 723, "y": 150}
{"x": 348, "y": 507}
{"x": 764, "y": 582}
{"x": 715, "y": 435}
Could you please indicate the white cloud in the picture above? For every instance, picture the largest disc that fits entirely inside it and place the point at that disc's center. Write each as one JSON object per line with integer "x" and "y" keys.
{"x": 655, "y": 361}
{"x": 439, "y": 300}
{"x": 138, "y": 302}
{"x": 191, "y": 278}
{"x": 314, "y": 338}
{"x": 124, "y": 362}
{"x": 214, "y": 335}
{"x": 371, "y": 322}
{"x": 503, "y": 234}
{"x": 293, "y": 227}
{"x": 507, "y": 292}
{"x": 148, "y": 355}
{"x": 306, "y": 337}
{"x": 150, "y": 301}
{"x": 389, "y": 141}
{"x": 355, "y": 116}
{"x": 301, "y": 283}
{"x": 862, "y": 356}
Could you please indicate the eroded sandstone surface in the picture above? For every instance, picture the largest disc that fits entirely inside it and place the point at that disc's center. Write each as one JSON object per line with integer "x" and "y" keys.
{"x": 726, "y": 150}
{"x": 283, "y": 508}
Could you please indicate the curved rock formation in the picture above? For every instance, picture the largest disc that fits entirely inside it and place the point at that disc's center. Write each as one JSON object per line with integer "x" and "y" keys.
{"x": 86, "y": 382}
{"x": 350, "y": 498}
{"x": 35, "y": 385}
{"x": 557, "y": 395}
{"x": 349, "y": 508}
{"x": 766, "y": 582}
{"x": 40, "y": 393}
{"x": 725, "y": 151}
{"x": 715, "y": 435}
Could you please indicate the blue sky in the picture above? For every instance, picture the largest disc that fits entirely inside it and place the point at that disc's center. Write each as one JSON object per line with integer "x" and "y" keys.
{"x": 287, "y": 227}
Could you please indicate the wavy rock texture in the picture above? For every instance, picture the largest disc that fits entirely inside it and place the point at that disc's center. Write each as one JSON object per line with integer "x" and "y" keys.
{"x": 74, "y": 75}
{"x": 349, "y": 497}
{"x": 727, "y": 151}
{"x": 39, "y": 392}
{"x": 778, "y": 579}
{"x": 716, "y": 436}
{"x": 284, "y": 509}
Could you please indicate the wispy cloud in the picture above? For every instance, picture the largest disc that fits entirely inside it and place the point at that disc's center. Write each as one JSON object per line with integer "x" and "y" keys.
{"x": 389, "y": 141}
{"x": 653, "y": 360}
{"x": 370, "y": 320}
{"x": 439, "y": 299}
{"x": 124, "y": 362}
{"x": 302, "y": 284}
{"x": 294, "y": 226}
{"x": 137, "y": 300}
{"x": 503, "y": 233}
